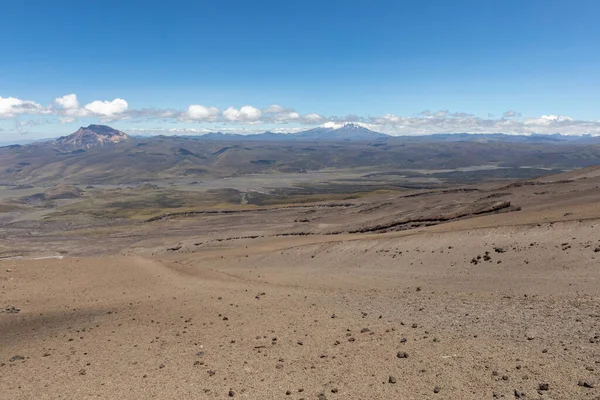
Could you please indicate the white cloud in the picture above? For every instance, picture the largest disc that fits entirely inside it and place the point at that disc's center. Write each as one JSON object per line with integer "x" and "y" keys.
{"x": 11, "y": 106}
{"x": 244, "y": 114}
{"x": 287, "y": 116}
{"x": 67, "y": 109}
{"x": 274, "y": 108}
{"x": 107, "y": 108}
{"x": 313, "y": 118}
{"x": 68, "y": 102}
{"x": 511, "y": 114}
{"x": 66, "y": 120}
{"x": 197, "y": 112}
{"x": 547, "y": 120}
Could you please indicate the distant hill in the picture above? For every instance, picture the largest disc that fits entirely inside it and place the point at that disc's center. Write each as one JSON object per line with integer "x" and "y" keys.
{"x": 91, "y": 136}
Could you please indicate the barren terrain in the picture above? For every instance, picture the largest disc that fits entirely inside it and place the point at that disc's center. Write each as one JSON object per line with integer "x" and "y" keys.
{"x": 452, "y": 292}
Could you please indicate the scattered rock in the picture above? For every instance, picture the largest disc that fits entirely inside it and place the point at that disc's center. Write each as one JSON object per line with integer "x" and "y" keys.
{"x": 391, "y": 379}
{"x": 16, "y": 358}
{"x": 402, "y": 354}
{"x": 586, "y": 384}
{"x": 543, "y": 386}
{"x": 436, "y": 389}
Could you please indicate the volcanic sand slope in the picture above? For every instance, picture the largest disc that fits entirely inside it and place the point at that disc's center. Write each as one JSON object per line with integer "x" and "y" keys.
{"x": 502, "y": 305}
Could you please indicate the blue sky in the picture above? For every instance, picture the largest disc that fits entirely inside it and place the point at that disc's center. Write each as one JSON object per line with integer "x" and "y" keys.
{"x": 400, "y": 67}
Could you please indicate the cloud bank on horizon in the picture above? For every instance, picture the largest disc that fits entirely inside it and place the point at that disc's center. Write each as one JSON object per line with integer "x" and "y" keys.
{"x": 250, "y": 119}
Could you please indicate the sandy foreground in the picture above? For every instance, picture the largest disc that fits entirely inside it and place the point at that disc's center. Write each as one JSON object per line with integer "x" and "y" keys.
{"x": 445, "y": 312}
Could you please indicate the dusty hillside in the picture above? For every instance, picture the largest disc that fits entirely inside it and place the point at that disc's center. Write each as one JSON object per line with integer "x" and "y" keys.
{"x": 493, "y": 305}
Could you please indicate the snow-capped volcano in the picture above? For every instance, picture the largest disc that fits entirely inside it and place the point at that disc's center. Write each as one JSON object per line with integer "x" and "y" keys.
{"x": 340, "y": 131}
{"x": 339, "y": 125}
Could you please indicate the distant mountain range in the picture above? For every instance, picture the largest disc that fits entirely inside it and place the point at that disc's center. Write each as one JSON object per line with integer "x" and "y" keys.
{"x": 99, "y": 154}
{"x": 357, "y": 132}
{"x": 102, "y": 135}
{"x": 347, "y": 132}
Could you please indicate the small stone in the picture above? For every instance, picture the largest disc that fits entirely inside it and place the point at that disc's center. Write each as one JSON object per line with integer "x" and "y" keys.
{"x": 544, "y": 386}
{"x": 586, "y": 384}
{"x": 231, "y": 393}
{"x": 16, "y": 358}
{"x": 391, "y": 379}
{"x": 82, "y": 372}
{"x": 518, "y": 395}
{"x": 365, "y": 330}
{"x": 322, "y": 396}
{"x": 402, "y": 354}
{"x": 436, "y": 389}
{"x": 300, "y": 343}
{"x": 334, "y": 390}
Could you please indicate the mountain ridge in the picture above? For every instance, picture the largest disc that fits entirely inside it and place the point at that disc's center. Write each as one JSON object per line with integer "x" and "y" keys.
{"x": 100, "y": 135}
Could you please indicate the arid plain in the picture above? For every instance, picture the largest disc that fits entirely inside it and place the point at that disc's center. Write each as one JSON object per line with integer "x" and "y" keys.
{"x": 468, "y": 292}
